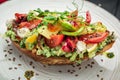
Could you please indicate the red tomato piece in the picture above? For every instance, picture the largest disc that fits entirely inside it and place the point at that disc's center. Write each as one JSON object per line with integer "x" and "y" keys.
{"x": 94, "y": 38}
{"x": 24, "y": 24}
{"x": 20, "y": 17}
{"x": 54, "y": 41}
{"x": 30, "y": 25}
{"x": 34, "y": 23}
{"x": 66, "y": 48}
{"x": 70, "y": 44}
{"x": 88, "y": 17}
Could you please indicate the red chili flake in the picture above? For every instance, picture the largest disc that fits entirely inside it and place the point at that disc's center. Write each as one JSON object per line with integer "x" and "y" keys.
{"x": 10, "y": 68}
{"x": 76, "y": 75}
{"x": 19, "y": 64}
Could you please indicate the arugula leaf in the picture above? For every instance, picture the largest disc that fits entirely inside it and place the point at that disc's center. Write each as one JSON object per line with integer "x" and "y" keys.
{"x": 39, "y": 11}
{"x": 50, "y": 18}
{"x": 22, "y": 43}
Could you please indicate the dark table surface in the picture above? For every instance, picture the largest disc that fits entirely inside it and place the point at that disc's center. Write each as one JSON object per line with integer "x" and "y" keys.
{"x": 112, "y": 6}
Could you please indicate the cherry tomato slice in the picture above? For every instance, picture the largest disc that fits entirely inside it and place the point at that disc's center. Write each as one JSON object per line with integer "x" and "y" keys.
{"x": 20, "y": 17}
{"x": 88, "y": 17}
{"x": 54, "y": 41}
{"x": 94, "y": 38}
{"x": 30, "y": 25}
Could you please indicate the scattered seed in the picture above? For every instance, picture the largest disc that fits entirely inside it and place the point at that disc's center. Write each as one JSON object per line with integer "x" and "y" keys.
{"x": 5, "y": 55}
{"x": 14, "y": 59}
{"x": 30, "y": 63}
{"x": 76, "y": 75}
{"x": 19, "y": 78}
{"x": 19, "y": 64}
{"x": 68, "y": 70}
{"x": 88, "y": 64}
{"x": 101, "y": 70}
{"x": 4, "y": 50}
{"x": 10, "y": 68}
{"x": 7, "y": 41}
{"x": 73, "y": 70}
{"x": 9, "y": 59}
{"x": 92, "y": 63}
{"x": 59, "y": 71}
{"x": 33, "y": 67}
{"x": 98, "y": 75}
{"x": 20, "y": 56}
{"x": 73, "y": 65}
{"x": 101, "y": 78}
{"x": 91, "y": 66}
{"x": 49, "y": 64}
{"x": 101, "y": 60}
{"x": 9, "y": 45}
{"x": 79, "y": 68}
{"x": 15, "y": 67}
{"x": 11, "y": 49}
{"x": 9, "y": 52}
{"x": 78, "y": 65}
{"x": 85, "y": 67}
{"x": 44, "y": 65}
{"x": 37, "y": 74}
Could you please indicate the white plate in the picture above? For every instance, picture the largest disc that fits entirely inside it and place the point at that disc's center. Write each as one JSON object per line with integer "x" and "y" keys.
{"x": 13, "y": 66}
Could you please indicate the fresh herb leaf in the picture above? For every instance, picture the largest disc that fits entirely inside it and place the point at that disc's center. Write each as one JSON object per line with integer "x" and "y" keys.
{"x": 39, "y": 11}
{"x": 22, "y": 43}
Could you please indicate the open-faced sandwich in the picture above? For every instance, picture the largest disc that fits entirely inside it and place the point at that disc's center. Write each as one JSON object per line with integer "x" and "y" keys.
{"x": 58, "y": 37}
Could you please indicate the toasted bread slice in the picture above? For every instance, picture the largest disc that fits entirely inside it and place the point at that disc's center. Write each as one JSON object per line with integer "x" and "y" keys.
{"x": 52, "y": 60}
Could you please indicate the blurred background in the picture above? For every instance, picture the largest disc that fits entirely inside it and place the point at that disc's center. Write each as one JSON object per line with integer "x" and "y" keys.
{"x": 112, "y": 6}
